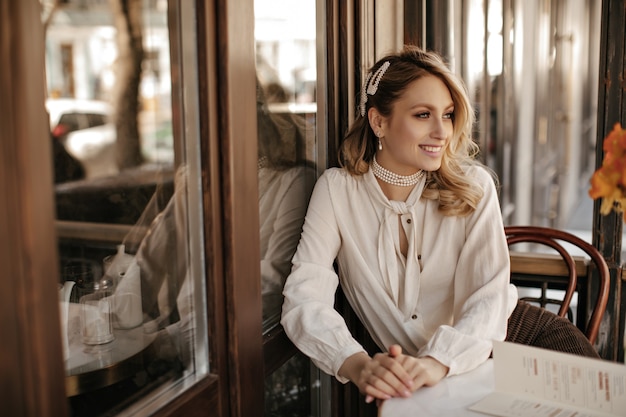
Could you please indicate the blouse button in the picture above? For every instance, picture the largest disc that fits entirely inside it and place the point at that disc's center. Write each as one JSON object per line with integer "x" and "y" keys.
{"x": 408, "y": 221}
{"x": 414, "y": 316}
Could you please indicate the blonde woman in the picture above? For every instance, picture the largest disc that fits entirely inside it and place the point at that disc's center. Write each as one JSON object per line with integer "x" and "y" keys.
{"x": 414, "y": 223}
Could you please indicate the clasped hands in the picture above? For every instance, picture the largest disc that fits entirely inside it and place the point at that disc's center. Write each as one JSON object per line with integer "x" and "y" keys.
{"x": 392, "y": 374}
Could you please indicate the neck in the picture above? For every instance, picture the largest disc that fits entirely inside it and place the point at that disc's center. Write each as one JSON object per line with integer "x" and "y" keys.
{"x": 394, "y": 192}
{"x": 392, "y": 178}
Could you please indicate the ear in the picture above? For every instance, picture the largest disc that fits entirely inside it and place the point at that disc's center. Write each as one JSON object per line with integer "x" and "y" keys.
{"x": 376, "y": 121}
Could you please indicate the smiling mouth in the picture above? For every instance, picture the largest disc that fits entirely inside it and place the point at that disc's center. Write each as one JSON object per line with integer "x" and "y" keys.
{"x": 428, "y": 148}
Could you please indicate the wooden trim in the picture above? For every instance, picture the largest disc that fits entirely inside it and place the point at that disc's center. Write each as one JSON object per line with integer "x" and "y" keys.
{"x": 212, "y": 200}
{"x": 96, "y": 232}
{"x": 209, "y": 134}
{"x": 203, "y": 396}
{"x": 342, "y": 65}
{"x": 607, "y": 229}
{"x": 277, "y": 349}
{"x": 31, "y": 362}
{"x": 349, "y": 50}
{"x": 413, "y": 27}
{"x": 237, "y": 140}
{"x": 545, "y": 264}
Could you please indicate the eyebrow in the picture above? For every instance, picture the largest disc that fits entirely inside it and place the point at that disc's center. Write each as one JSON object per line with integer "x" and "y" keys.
{"x": 429, "y": 106}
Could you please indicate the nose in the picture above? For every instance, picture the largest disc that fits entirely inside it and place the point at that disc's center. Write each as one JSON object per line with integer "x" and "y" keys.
{"x": 439, "y": 129}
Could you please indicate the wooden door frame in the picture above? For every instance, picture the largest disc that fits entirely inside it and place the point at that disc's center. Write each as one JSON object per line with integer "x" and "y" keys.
{"x": 234, "y": 144}
{"x": 607, "y": 230}
{"x": 31, "y": 363}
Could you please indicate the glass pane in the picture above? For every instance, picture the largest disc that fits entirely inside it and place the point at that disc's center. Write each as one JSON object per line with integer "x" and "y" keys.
{"x": 128, "y": 201}
{"x": 537, "y": 128}
{"x": 293, "y": 389}
{"x": 286, "y": 115}
{"x": 547, "y": 115}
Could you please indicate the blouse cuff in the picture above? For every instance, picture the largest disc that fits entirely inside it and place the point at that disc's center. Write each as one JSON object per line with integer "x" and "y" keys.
{"x": 344, "y": 354}
{"x": 442, "y": 357}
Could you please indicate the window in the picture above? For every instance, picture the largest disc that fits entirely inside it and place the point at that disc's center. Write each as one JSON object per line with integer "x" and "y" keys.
{"x": 132, "y": 294}
{"x": 287, "y": 137}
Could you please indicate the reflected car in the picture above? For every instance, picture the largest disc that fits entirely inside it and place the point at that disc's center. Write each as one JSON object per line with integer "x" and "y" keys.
{"x": 85, "y": 129}
{"x": 68, "y": 115}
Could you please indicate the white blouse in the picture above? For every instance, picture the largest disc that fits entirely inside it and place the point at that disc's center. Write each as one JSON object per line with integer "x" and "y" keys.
{"x": 449, "y": 298}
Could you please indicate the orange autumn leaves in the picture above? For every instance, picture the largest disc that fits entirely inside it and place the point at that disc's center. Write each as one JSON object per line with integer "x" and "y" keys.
{"x": 609, "y": 181}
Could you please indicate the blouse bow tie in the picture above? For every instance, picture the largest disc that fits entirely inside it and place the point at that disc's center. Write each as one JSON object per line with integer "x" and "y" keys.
{"x": 402, "y": 288}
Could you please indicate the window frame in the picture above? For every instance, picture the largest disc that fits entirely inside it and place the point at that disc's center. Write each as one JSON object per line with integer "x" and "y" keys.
{"x": 239, "y": 356}
{"x": 33, "y": 359}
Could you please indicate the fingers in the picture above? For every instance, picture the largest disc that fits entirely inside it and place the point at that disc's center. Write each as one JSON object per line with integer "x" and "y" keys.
{"x": 373, "y": 393}
{"x": 369, "y": 399}
{"x": 376, "y": 377}
{"x": 403, "y": 389}
{"x": 396, "y": 366}
{"x": 425, "y": 371}
{"x": 397, "y": 375}
{"x": 382, "y": 378}
{"x": 395, "y": 351}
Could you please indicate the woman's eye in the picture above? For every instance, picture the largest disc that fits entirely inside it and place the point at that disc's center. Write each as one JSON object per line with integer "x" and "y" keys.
{"x": 422, "y": 115}
{"x": 449, "y": 115}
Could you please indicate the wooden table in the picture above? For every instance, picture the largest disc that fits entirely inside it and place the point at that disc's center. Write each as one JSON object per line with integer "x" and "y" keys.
{"x": 450, "y": 397}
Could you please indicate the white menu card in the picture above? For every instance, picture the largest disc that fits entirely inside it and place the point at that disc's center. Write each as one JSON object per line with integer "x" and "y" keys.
{"x": 533, "y": 382}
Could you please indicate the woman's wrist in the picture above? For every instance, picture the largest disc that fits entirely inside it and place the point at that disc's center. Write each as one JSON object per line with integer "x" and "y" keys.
{"x": 351, "y": 367}
{"x": 442, "y": 369}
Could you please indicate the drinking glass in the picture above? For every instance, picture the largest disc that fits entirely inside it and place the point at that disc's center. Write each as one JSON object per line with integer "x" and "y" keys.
{"x": 95, "y": 317}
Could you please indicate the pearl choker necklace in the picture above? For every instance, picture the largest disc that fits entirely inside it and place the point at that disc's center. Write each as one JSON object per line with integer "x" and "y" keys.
{"x": 394, "y": 179}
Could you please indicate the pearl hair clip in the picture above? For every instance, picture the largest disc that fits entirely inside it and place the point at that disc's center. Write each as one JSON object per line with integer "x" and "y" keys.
{"x": 371, "y": 85}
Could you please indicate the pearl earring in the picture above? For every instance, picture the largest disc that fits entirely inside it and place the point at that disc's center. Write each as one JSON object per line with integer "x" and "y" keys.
{"x": 380, "y": 145}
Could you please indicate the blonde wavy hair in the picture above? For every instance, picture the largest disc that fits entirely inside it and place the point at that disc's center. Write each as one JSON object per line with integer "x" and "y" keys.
{"x": 456, "y": 193}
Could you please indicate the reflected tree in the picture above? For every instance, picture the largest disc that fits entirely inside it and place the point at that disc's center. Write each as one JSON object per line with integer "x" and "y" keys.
{"x": 127, "y": 17}
{"x": 128, "y": 20}
{"x": 48, "y": 8}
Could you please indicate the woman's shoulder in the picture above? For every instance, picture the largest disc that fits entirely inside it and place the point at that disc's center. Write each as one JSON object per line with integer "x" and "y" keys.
{"x": 339, "y": 181}
{"x": 481, "y": 173}
{"x": 337, "y": 176}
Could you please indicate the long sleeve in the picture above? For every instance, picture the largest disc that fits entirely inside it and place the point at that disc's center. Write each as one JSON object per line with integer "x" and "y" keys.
{"x": 308, "y": 316}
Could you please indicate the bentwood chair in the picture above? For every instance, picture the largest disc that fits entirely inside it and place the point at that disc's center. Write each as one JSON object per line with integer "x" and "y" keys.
{"x": 555, "y": 239}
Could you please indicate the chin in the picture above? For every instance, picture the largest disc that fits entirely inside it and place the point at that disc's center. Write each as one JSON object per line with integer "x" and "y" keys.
{"x": 432, "y": 167}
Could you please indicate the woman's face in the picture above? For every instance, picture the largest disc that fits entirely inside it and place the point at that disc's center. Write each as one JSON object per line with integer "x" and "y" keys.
{"x": 419, "y": 128}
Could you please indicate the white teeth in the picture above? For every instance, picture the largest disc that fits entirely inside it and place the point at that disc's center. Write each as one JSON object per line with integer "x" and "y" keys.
{"x": 431, "y": 148}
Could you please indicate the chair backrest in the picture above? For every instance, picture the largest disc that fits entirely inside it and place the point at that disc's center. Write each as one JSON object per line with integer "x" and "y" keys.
{"x": 553, "y": 238}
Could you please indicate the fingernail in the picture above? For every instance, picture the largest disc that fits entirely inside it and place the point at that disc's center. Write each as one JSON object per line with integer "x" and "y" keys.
{"x": 369, "y": 399}
{"x": 406, "y": 393}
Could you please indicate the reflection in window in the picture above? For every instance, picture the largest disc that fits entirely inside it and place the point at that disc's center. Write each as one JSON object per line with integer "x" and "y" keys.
{"x": 286, "y": 117}
{"x": 289, "y": 391}
{"x": 126, "y": 205}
